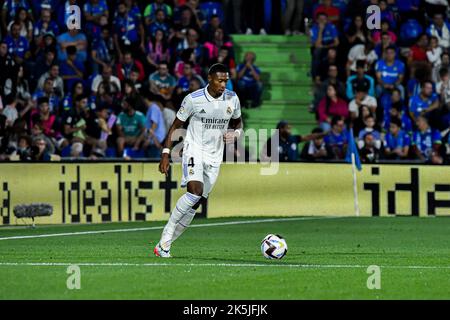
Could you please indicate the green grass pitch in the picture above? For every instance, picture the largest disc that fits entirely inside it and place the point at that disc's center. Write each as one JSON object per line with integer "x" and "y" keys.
{"x": 327, "y": 259}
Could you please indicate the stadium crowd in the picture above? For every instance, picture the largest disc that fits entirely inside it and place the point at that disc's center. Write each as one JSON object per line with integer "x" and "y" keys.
{"x": 390, "y": 85}
{"x": 112, "y": 88}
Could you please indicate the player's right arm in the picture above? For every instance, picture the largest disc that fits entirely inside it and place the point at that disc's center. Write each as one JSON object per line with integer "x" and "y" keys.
{"x": 164, "y": 164}
{"x": 183, "y": 115}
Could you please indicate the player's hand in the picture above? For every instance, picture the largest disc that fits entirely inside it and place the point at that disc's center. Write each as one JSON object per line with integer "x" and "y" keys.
{"x": 164, "y": 164}
{"x": 229, "y": 137}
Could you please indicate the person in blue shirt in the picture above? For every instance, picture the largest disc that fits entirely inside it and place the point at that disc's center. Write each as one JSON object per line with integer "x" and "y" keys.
{"x": 324, "y": 35}
{"x": 425, "y": 102}
{"x": 128, "y": 32}
{"x": 427, "y": 142}
{"x": 396, "y": 142}
{"x": 96, "y": 14}
{"x": 390, "y": 73}
{"x": 249, "y": 80}
{"x": 101, "y": 51}
{"x": 47, "y": 91}
{"x": 72, "y": 38}
{"x": 45, "y": 24}
{"x": 397, "y": 109}
{"x": 71, "y": 70}
{"x": 337, "y": 138}
{"x": 18, "y": 46}
{"x": 156, "y": 129}
{"x": 158, "y": 24}
{"x": 440, "y": 29}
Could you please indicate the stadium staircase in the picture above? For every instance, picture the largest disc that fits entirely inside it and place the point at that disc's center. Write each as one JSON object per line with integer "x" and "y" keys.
{"x": 285, "y": 64}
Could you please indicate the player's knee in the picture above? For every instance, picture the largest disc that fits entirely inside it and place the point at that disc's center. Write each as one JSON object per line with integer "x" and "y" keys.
{"x": 199, "y": 203}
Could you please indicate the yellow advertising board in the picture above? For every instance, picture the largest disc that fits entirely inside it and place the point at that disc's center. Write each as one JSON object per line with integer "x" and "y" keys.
{"x": 111, "y": 192}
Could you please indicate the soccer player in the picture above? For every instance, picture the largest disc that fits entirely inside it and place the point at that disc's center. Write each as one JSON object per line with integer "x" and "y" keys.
{"x": 212, "y": 111}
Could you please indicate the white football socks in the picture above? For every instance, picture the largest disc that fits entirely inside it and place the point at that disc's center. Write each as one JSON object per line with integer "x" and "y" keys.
{"x": 183, "y": 224}
{"x": 182, "y": 208}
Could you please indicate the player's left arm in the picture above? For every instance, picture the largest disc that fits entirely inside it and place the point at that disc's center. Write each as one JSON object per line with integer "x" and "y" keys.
{"x": 236, "y": 124}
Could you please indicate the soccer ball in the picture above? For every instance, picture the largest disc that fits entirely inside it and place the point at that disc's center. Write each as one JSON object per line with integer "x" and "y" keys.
{"x": 274, "y": 247}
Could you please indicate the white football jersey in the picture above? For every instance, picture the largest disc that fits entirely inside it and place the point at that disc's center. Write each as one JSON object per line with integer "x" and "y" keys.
{"x": 209, "y": 118}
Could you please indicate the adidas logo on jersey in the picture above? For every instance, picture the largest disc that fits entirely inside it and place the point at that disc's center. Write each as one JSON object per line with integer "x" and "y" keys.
{"x": 203, "y": 111}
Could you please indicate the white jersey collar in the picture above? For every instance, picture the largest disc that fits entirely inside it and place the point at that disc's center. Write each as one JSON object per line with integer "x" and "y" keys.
{"x": 210, "y": 98}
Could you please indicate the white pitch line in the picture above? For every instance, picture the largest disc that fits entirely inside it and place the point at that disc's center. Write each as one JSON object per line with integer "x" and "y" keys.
{"x": 67, "y": 234}
{"x": 232, "y": 265}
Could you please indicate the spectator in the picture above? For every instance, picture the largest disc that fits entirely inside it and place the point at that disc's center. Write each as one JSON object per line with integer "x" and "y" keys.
{"x": 96, "y": 14}
{"x": 396, "y": 142}
{"x": 159, "y": 24}
{"x": 26, "y": 26}
{"x": 101, "y": 51}
{"x": 76, "y": 90}
{"x": 426, "y": 142}
{"x": 162, "y": 83}
{"x": 37, "y": 133}
{"x": 131, "y": 127}
{"x": 8, "y": 67}
{"x": 324, "y": 35}
{"x": 443, "y": 87}
{"x": 107, "y": 77}
{"x": 226, "y": 59}
{"x": 418, "y": 51}
{"x": 357, "y": 32}
{"x": 329, "y": 10}
{"x": 254, "y": 13}
{"x": 360, "y": 79}
{"x": 316, "y": 150}
{"x": 72, "y": 69}
{"x": 424, "y": 103}
{"x": 58, "y": 83}
{"x": 440, "y": 29}
{"x": 186, "y": 55}
{"x": 249, "y": 81}
{"x": 157, "y": 50}
{"x": 370, "y": 150}
{"x": 150, "y": 11}
{"x": 287, "y": 144}
{"x": 72, "y": 38}
{"x": 321, "y": 90}
{"x": 188, "y": 74}
{"x": 397, "y": 109}
{"x": 212, "y": 47}
{"x": 40, "y": 153}
{"x": 74, "y": 126}
{"x": 190, "y": 41}
{"x": 48, "y": 92}
{"x": 18, "y": 46}
{"x": 330, "y": 106}
{"x": 434, "y": 52}
{"x": 390, "y": 73}
{"x": 385, "y": 29}
{"x": 330, "y": 59}
{"x": 10, "y": 11}
{"x": 156, "y": 129}
{"x": 362, "y": 99}
{"x": 361, "y": 52}
{"x": 369, "y": 122}
{"x": 43, "y": 64}
{"x": 130, "y": 91}
{"x": 123, "y": 69}
{"x": 292, "y": 22}
{"x": 209, "y": 29}
{"x": 444, "y": 63}
{"x": 43, "y": 26}
{"x": 382, "y": 47}
{"x": 10, "y": 110}
{"x": 336, "y": 139}
{"x": 128, "y": 32}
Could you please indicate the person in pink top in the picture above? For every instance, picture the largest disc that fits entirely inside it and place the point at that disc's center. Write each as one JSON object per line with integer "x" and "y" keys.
{"x": 331, "y": 105}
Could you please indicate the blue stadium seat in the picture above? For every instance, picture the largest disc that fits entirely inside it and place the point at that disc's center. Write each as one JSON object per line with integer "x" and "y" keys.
{"x": 66, "y": 151}
{"x": 409, "y": 32}
{"x": 110, "y": 152}
{"x": 134, "y": 154}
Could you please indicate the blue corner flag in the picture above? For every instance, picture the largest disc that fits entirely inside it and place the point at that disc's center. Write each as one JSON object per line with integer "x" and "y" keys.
{"x": 352, "y": 149}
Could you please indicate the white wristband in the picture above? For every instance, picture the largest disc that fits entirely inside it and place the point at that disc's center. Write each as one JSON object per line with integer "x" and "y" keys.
{"x": 238, "y": 132}
{"x": 165, "y": 150}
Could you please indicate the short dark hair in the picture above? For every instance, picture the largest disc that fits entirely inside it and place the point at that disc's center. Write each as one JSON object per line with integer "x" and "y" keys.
{"x": 335, "y": 120}
{"x": 218, "y": 67}
{"x": 42, "y": 100}
{"x": 396, "y": 121}
{"x": 443, "y": 72}
{"x": 79, "y": 98}
{"x": 360, "y": 64}
{"x": 71, "y": 50}
{"x": 317, "y": 130}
